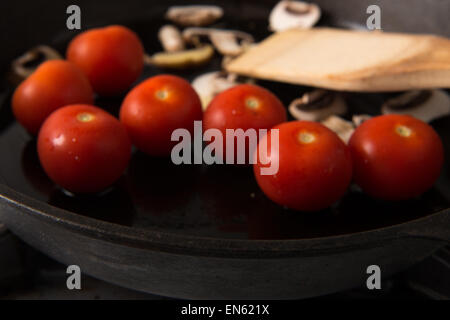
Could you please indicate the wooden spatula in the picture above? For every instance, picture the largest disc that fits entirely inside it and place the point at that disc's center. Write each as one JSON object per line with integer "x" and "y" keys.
{"x": 349, "y": 60}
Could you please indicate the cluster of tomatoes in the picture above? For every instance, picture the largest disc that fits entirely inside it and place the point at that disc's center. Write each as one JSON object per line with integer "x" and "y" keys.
{"x": 391, "y": 157}
{"x": 84, "y": 149}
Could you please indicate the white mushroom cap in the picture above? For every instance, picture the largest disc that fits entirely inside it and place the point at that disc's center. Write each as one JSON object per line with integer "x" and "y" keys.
{"x": 293, "y": 14}
{"x": 170, "y": 38}
{"x": 227, "y": 42}
{"x": 343, "y": 128}
{"x": 328, "y": 103}
{"x": 358, "y": 119}
{"x": 210, "y": 84}
{"x": 425, "y": 105}
{"x": 194, "y": 15}
{"x": 19, "y": 65}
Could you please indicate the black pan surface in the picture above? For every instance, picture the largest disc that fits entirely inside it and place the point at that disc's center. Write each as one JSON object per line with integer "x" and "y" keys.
{"x": 198, "y": 212}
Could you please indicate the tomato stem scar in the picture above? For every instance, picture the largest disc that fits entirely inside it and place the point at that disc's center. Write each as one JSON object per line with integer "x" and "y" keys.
{"x": 306, "y": 137}
{"x": 85, "y": 117}
{"x": 403, "y": 131}
{"x": 162, "y": 94}
{"x": 252, "y": 103}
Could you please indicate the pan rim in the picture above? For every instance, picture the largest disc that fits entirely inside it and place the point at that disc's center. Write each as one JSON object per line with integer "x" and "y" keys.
{"x": 155, "y": 240}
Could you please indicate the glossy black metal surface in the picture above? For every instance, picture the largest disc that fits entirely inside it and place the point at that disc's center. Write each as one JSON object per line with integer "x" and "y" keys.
{"x": 208, "y": 231}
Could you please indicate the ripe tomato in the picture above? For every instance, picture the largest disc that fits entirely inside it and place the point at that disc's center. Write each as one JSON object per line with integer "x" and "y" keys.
{"x": 111, "y": 57}
{"x": 83, "y": 148}
{"x": 243, "y": 107}
{"x": 396, "y": 157}
{"x": 314, "y": 166}
{"x": 54, "y": 84}
{"x": 155, "y": 108}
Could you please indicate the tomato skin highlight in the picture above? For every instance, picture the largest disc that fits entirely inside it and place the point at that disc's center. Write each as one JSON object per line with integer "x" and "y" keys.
{"x": 243, "y": 107}
{"x": 54, "y": 84}
{"x": 157, "y": 107}
{"x": 314, "y": 167}
{"x": 83, "y": 148}
{"x": 396, "y": 157}
{"x": 111, "y": 57}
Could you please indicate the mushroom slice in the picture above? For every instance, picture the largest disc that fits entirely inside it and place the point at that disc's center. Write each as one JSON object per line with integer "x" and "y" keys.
{"x": 194, "y": 15}
{"x": 231, "y": 43}
{"x": 171, "y": 38}
{"x": 227, "y": 42}
{"x": 37, "y": 54}
{"x": 193, "y": 35}
{"x": 181, "y": 59}
{"x": 228, "y": 58}
{"x": 343, "y": 128}
{"x": 211, "y": 84}
{"x": 358, "y": 119}
{"x": 317, "y": 105}
{"x": 425, "y": 105}
{"x": 293, "y": 14}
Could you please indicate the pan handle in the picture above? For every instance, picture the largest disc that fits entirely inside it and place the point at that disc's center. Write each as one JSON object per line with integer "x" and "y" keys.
{"x": 435, "y": 228}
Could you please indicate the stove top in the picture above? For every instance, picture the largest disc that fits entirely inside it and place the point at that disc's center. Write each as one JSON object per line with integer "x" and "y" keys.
{"x": 28, "y": 274}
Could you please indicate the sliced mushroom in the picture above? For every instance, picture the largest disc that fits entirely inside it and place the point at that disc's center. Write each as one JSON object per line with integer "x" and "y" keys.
{"x": 358, "y": 119}
{"x": 193, "y": 35}
{"x": 34, "y": 57}
{"x": 171, "y": 38}
{"x": 343, "y": 128}
{"x": 231, "y": 43}
{"x": 227, "y": 42}
{"x": 211, "y": 84}
{"x": 228, "y": 58}
{"x": 293, "y": 14}
{"x": 181, "y": 59}
{"x": 194, "y": 15}
{"x": 317, "y": 105}
{"x": 425, "y": 105}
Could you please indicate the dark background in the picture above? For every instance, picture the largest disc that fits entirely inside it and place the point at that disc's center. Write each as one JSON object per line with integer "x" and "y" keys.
{"x": 25, "y": 23}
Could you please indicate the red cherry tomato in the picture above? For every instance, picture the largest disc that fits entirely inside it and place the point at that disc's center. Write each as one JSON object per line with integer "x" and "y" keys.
{"x": 396, "y": 157}
{"x": 155, "y": 108}
{"x": 54, "y": 84}
{"x": 111, "y": 57}
{"x": 83, "y": 148}
{"x": 314, "y": 166}
{"x": 243, "y": 107}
